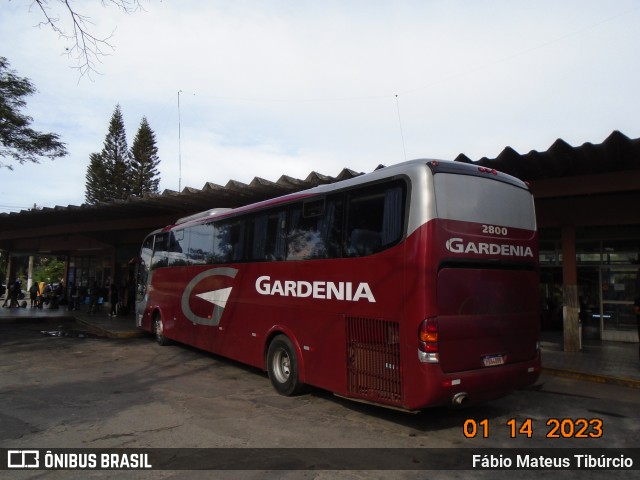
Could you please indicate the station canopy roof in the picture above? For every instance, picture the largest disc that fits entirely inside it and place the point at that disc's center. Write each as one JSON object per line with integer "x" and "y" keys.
{"x": 616, "y": 153}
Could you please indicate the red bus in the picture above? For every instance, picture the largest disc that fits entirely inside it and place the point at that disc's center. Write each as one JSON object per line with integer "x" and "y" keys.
{"x": 415, "y": 285}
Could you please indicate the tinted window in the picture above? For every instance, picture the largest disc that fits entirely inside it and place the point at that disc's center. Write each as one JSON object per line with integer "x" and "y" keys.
{"x": 160, "y": 253}
{"x": 201, "y": 244}
{"x": 375, "y": 219}
{"x": 228, "y": 241}
{"x": 144, "y": 267}
{"x": 314, "y": 230}
{"x": 267, "y": 236}
{"x": 178, "y": 247}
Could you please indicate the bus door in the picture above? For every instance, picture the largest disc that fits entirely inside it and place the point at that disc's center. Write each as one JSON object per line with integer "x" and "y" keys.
{"x": 143, "y": 278}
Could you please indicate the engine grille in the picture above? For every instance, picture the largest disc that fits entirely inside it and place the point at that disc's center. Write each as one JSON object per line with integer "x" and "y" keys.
{"x": 373, "y": 359}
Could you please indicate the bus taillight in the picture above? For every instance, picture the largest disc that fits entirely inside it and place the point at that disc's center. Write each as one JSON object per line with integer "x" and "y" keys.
{"x": 428, "y": 349}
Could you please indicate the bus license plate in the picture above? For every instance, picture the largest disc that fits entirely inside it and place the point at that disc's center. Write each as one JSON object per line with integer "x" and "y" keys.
{"x": 493, "y": 360}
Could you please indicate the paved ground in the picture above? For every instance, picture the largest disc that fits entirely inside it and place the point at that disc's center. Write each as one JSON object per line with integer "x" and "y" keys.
{"x": 65, "y": 388}
{"x": 616, "y": 363}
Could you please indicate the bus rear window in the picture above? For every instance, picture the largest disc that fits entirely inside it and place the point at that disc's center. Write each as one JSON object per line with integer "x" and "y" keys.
{"x": 483, "y": 200}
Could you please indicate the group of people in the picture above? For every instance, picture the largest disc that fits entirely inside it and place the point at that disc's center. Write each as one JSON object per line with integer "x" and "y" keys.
{"x": 14, "y": 294}
{"x": 46, "y": 294}
{"x": 121, "y": 297}
{"x": 40, "y": 294}
{"x": 54, "y": 295}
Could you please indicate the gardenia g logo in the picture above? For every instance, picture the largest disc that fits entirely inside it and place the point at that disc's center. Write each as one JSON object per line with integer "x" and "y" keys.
{"x": 205, "y": 285}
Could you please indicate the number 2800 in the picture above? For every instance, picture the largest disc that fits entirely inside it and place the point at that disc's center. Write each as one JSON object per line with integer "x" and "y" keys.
{"x": 494, "y": 230}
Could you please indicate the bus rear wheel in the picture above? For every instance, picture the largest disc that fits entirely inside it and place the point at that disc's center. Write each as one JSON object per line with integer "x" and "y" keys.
{"x": 158, "y": 329}
{"x": 282, "y": 366}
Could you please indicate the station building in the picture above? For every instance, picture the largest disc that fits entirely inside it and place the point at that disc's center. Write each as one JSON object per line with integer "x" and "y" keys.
{"x": 588, "y": 213}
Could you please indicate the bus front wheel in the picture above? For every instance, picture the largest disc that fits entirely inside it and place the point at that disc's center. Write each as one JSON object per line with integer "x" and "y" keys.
{"x": 282, "y": 366}
{"x": 158, "y": 329}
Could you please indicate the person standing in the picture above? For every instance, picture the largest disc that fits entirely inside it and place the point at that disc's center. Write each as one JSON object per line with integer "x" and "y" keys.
{"x": 94, "y": 293}
{"x": 34, "y": 293}
{"x": 15, "y": 293}
{"x": 73, "y": 296}
{"x": 113, "y": 298}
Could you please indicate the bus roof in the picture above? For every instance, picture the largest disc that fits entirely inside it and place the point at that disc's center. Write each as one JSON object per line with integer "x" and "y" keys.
{"x": 400, "y": 169}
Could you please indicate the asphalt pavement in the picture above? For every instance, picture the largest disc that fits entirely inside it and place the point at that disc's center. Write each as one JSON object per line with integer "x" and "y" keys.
{"x": 608, "y": 362}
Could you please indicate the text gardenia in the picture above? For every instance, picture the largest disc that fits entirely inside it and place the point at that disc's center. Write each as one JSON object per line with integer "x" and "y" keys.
{"x": 344, "y": 291}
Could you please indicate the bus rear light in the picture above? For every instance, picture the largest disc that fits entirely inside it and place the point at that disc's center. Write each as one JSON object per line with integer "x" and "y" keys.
{"x": 428, "y": 357}
{"x": 428, "y": 348}
{"x": 428, "y": 330}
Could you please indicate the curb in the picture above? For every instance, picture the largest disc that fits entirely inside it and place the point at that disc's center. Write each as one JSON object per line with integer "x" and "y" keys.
{"x": 624, "y": 382}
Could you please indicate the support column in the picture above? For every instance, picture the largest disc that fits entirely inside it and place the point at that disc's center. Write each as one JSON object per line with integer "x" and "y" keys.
{"x": 11, "y": 274}
{"x": 30, "y": 273}
{"x": 571, "y": 304}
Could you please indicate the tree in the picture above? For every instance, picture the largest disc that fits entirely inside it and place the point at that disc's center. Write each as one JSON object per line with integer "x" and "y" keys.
{"x": 82, "y": 44}
{"x": 108, "y": 172}
{"x": 95, "y": 186}
{"x": 116, "y": 173}
{"x": 49, "y": 270}
{"x": 18, "y": 141}
{"x": 144, "y": 161}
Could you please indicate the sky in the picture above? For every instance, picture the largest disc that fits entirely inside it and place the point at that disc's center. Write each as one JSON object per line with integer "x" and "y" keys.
{"x": 252, "y": 88}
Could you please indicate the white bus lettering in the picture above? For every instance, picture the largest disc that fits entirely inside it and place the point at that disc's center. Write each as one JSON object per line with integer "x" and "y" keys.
{"x": 304, "y": 289}
{"x": 363, "y": 291}
{"x": 318, "y": 290}
{"x": 343, "y": 291}
{"x": 457, "y": 245}
{"x": 335, "y": 291}
{"x": 262, "y": 285}
{"x": 290, "y": 288}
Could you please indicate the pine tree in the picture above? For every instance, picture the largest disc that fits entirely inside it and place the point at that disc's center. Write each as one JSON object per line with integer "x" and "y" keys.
{"x": 95, "y": 186}
{"x": 116, "y": 158}
{"x": 108, "y": 173}
{"x": 144, "y": 161}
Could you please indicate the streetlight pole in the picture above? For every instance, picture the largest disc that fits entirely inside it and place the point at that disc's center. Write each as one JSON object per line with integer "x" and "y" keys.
{"x": 179, "y": 147}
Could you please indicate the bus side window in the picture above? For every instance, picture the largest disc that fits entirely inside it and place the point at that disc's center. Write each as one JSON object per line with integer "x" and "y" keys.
{"x": 160, "y": 254}
{"x": 178, "y": 247}
{"x": 201, "y": 244}
{"x": 375, "y": 220}
{"x": 228, "y": 241}
{"x": 267, "y": 236}
{"x": 143, "y": 267}
{"x": 314, "y": 229}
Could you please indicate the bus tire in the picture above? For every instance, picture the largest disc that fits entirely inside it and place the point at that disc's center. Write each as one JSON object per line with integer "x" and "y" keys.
{"x": 283, "y": 367}
{"x": 157, "y": 330}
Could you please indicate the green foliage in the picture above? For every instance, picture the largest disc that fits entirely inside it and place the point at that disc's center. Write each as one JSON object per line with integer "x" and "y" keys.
{"x": 18, "y": 141}
{"x": 96, "y": 188}
{"x": 117, "y": 172}
{"x": 144, "y": 161}
{"x": 107, "y": 172}
{"x": 49, "y": 270}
